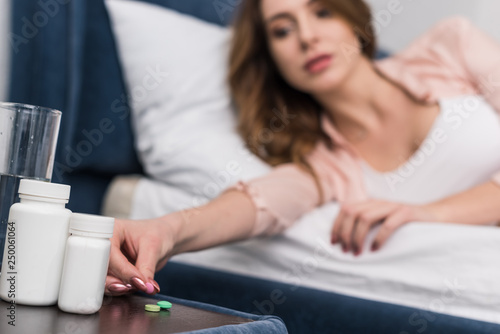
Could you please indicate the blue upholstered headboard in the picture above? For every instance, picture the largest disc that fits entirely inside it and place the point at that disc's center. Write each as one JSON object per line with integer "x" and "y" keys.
{"x": 64, "y": 57}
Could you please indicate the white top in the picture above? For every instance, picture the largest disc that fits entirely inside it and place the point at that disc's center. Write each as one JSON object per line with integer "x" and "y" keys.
{"x": 461, "y": 150}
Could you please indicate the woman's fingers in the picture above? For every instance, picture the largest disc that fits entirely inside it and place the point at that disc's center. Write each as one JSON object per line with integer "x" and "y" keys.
{"x": 347, "y": 223}
{"x": 124, "y": 271}
{"x": 115, "y": 287}
{"x": 147, "y": 260}
{"x": 347, "y": 227}
{"x": 355, "y": 220}
{"x": 390, "y": 225}
{"x": 335, "y": 235}
{"x": 342, "y": 227}
{"x": 370, "y": 217}
{"x": 363, "y": 226}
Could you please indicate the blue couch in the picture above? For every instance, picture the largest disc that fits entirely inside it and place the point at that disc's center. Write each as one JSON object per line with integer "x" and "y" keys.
{"x": 70, "y": 63}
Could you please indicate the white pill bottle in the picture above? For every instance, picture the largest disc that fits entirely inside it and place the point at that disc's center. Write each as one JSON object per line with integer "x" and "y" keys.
{"x": 33, "y": 256}
{"x": 85, "y": 263}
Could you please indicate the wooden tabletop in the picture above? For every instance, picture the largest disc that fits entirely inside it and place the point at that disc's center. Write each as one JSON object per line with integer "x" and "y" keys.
{"x": 120, "y": 315}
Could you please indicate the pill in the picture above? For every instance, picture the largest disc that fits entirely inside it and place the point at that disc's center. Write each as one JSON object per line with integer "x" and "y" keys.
{"x": 164, "y": 304}
{"x": 152, "y": 308}
{"x": 149, "y": 288}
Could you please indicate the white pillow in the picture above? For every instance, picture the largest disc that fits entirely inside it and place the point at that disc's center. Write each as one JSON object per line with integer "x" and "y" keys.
{"x": 183, "y": 119}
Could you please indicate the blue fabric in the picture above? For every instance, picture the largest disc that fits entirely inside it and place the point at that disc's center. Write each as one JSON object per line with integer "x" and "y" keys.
{"x": 306, "y": 310}
{"x": 262, "y": 323}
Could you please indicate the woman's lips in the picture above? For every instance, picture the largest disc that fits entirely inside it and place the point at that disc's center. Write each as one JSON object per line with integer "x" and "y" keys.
{"x": 318, "y": 64}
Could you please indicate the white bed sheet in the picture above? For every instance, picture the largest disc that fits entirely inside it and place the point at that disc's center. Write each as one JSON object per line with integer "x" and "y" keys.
{"x": 446, "y": 268}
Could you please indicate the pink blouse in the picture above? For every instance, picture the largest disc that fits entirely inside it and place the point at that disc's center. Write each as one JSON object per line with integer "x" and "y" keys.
{"x": 454, "y": 58}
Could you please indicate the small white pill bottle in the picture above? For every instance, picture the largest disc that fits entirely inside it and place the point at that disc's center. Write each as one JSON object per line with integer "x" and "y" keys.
{"x": 37, "y": 231}
{"x": 85, "y": 263}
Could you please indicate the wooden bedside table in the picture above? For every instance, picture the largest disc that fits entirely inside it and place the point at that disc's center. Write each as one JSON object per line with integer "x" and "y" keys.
{"x": 120, "y": 315}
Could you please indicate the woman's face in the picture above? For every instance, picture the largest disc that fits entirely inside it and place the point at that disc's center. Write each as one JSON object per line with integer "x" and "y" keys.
{"x": 314, "y": 49}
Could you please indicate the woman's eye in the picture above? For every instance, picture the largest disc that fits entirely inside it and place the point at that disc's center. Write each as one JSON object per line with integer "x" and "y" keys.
{"x": 325, "y": 12}
{"x": 280, "y": 32}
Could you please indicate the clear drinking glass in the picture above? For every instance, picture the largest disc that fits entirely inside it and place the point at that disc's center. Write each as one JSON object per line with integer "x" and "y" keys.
{"x": 28, "y": 139}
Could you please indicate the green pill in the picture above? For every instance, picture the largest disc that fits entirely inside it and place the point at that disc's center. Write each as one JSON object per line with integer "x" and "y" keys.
{"x": 164, "y": 304}
{"x": 152, "y": 308}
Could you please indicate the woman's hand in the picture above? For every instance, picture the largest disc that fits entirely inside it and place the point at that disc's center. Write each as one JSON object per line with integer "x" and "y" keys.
{"x": 355, "y": 220}
{"x": 138, "y": 250}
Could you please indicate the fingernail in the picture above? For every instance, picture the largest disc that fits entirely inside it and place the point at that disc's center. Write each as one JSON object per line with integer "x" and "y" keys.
{"x": 155, "y": 284}
{"x": 118, "y": 288}
{"x": 139, "y": 283}
{"x": 355, "y": 250}
{"x": 374, "y": 246}
{"x": 129, "y": 286}
{"x": 149, "y": 288}
{"x": 344, "y": 248}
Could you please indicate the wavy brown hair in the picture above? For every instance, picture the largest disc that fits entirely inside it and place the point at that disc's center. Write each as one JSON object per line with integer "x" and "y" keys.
{"x": 263, "y": 96}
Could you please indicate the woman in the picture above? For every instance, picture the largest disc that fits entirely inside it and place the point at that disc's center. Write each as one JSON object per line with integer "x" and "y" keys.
{"x": 349, "y": 130}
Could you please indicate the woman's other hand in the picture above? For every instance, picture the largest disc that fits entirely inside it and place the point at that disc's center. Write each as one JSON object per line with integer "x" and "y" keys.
{"x": 355, "y": 220}
{"x": 138, "y": 250}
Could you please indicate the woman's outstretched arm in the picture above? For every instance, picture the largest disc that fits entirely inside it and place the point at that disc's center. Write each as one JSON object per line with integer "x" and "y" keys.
{"x": 263, "y": 206}
{"x": 139, "y": 248}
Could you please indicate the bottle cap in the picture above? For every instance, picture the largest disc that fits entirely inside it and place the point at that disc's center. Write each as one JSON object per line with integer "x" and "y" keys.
{"x": 91, "y": 225}
{"x": 44, "y": 189}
